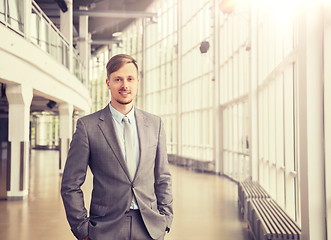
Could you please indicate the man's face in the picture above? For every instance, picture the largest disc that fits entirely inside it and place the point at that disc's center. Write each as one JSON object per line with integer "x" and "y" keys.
{"x": 123, "y": 84}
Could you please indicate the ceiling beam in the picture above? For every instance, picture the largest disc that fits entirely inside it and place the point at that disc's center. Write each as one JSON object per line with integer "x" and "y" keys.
{"x": 114, "y": 14}
{"x": 104, "y": 42}
{"x": 62, "y": 5}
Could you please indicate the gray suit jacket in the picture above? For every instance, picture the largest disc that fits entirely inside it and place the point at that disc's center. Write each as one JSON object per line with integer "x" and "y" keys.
{"x": 95, "y": 144}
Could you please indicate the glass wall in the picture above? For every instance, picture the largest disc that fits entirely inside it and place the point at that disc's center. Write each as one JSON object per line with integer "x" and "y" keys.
{"x": 154, "y": 45}
{"x": 132, "y": 43}
{"x": 276, "y": 67}
{"x": 234, "y": 92}
{"x": 277, "y": 125}
{"x": 253, "y": 59}
{"x": 160, "y": 70}
{"x": 197, "y": 80}
{"x": 98, "y": 74}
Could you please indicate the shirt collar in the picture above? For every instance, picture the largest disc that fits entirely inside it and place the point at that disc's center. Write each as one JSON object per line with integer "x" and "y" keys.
{"x": 119, "y": 116}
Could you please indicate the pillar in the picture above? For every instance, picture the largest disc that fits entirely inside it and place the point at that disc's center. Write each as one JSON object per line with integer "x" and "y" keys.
{"x": 310, "y": 120}
{"x": 66, "y": 27}
{"x": 327, "y": 112}
{"x": 217, "y": 122}
{"x": 179, "y": 77}
{"x": 84, "y": 42}
{"x": 27, "y": 18}
{"x": 41, "y": 131}
{"x": 253, "y": 94}
{"x": 19, "y": 100}
{"x": 66, "y": 113}
{"x": 56, "y": 137}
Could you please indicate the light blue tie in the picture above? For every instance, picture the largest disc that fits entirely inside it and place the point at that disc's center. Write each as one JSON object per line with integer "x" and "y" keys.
{"x": 130, "y": 162}
{"x": 129, "y": 148}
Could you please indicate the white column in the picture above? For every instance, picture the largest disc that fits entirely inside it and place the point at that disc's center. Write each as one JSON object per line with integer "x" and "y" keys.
{"x": 66, "y": 112}
{"x": 56, "y": 137}
{"x": 253, "y": 95}
{"x": 80, "y": 113}
{"x": 84, "y": 41}
{"x": 41, "y": 131}
{"x": 143, "y": 67}
{"x": 19, "y": 99}
{"x": 179, "y": 78}
{"x": 310, "y": 108}
{"x": 36, "y": 132}
{"x": 88, "y": 57}
{"x": 49, "y": 125}
{"x": 27, "y": 18}
{"x": 66, "y": 23}
{"x": 327, "y": 112}
{"x": 217, "y": 133}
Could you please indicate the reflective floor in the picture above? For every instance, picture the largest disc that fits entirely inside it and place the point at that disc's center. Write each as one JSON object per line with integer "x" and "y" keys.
{"x": 205, "y": 206}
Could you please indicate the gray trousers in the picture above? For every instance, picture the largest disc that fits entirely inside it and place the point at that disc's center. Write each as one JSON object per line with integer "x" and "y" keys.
{"x": 133, "y": 228}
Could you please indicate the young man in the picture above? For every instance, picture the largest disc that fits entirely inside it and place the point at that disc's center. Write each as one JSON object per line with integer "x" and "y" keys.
{"x": 125, "y": 149}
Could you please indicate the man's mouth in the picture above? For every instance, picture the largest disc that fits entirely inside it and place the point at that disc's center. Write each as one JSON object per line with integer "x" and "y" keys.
{"x": 124, "y": 92}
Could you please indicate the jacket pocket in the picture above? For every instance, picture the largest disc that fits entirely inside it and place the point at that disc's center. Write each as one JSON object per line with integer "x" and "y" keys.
{"x": 154, "y": 206}
{"x": 97, "y": 210}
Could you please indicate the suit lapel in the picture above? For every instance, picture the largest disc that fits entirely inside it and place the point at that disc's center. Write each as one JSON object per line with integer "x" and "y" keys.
{"x": 142, "y": 126}
{"x": 106, "y": 126}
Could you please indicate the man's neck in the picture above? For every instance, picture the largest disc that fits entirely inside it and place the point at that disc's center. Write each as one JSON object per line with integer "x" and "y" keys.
{"x": 122, "y": 108}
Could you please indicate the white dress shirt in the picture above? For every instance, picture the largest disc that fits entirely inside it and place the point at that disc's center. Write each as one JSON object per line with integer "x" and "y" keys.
{"x": 119, "y": 129}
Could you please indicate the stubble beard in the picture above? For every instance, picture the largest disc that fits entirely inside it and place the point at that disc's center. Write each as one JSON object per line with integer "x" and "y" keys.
{"x": 124, "y": 103}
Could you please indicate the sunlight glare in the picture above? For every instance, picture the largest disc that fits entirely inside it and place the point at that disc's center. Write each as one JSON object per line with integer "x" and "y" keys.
{"x": 282, "y": 9}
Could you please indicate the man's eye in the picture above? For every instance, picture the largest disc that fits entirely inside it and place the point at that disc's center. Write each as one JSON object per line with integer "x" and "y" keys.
{"x": 117, "y": 79}
{"x": 130, "y": 79}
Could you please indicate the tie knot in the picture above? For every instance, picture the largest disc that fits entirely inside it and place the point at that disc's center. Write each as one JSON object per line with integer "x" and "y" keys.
{"x": 126, "y": 119}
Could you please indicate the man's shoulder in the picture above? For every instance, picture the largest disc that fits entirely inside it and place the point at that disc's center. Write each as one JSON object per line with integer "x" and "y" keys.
{"x": 92, "y": 116}
{"x": 148, "y": 115}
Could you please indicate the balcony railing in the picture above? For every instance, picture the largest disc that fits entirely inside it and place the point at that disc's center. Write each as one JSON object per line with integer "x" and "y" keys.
{"x": 79, "y": 68}
{"x": 43, "y": 33}
{"x": 12, "y": 15}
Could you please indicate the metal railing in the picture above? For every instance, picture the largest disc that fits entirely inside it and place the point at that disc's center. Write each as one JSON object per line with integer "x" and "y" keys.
{"x": 78, "y": 68}
{"x": 12, "y": 15}
{"x": 43, "y": 33}
{"x": 48, "y": 37}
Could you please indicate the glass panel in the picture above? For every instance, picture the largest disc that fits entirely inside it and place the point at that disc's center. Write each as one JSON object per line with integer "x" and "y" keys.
{"x": 35, "y": 26}
{"x": 16, "y": 14}
{"x": 2, "y": 10}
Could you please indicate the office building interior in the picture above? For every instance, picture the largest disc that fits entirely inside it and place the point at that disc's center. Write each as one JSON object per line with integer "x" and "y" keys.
{"x": 243, "y": 88}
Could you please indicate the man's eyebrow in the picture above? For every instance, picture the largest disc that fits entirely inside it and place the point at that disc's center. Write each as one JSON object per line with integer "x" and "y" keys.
{"x": 121, "y": 77}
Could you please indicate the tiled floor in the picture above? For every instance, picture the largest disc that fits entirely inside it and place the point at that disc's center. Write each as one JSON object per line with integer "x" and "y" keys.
{"x": 205, "y": 206}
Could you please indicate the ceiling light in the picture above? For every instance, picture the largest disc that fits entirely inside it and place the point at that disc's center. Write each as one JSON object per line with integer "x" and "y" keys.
{"x": 117, "y": 34}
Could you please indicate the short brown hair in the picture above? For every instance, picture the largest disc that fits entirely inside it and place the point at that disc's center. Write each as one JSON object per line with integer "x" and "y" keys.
{"x": 117, "y": 61}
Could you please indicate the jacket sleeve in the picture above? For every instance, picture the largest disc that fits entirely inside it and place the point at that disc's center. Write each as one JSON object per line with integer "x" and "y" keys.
{"x": 73, "y": 177}
{"x": 163, "y": 184}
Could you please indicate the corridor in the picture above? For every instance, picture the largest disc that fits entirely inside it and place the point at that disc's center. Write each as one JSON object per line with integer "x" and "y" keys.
{"x": 205, "y": 206}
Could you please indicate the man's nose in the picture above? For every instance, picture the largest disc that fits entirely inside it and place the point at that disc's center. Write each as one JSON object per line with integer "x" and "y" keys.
{"x": 125, "y": 84}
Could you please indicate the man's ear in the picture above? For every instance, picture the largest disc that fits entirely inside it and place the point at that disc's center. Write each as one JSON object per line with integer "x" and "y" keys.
{"x": 108, "y": 83}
